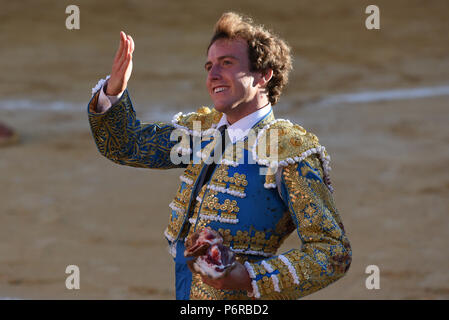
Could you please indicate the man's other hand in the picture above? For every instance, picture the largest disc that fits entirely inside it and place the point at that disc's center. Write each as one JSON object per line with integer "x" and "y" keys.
{"x": 122, "y": 66}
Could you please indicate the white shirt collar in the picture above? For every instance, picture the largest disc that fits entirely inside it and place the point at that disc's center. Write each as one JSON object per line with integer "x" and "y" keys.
{"x": 239, "y": 129}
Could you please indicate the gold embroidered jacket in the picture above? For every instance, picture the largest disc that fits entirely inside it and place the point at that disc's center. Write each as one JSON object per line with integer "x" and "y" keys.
{"x": 252, "y": 204}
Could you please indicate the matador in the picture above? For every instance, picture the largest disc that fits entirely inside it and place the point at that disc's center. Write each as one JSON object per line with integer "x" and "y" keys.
{"x": 253, "y": 197}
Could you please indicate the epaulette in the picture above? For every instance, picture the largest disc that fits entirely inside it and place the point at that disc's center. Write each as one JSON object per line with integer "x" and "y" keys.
{"x": 281, "y": 143}
{"x": 197, "y": 123}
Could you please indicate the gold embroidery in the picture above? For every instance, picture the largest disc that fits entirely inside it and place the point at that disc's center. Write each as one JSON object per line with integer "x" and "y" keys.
{"x": 237, "y": 182}
{"x": 258, "y": 241}
{"x": 217, "y": 117}
{"x": 301, "y": 131}
{"x": 174, "y": 225}
{"x": 239, "y": 179}
{"x": 241, "y": 240}
{"x": 201, "y": 225}
{"x": 221, "y": 174}
{"x": 296, "y": 141}
{"x": 272, "y": 244}
{"x": 266, "y": 286}
{"x": 292, "y": 141}
{"x": 298, "y": 192}
{"x": 212, "y": 207}
{"x": 202, "y": 291}
{"x": 204, "y": 115}
{"x": 227, "y": 236}
{"x": 323, "y": 193}
{"x": 192, "y": 171}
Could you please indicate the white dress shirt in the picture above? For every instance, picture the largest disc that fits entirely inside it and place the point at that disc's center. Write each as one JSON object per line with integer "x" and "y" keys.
{"x": 239, "y": 129}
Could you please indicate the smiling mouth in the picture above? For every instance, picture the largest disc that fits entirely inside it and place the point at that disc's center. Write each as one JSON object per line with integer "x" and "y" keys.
{"x": 219, "y": 89}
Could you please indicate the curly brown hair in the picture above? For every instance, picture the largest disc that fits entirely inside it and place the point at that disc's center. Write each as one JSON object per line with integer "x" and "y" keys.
{"x": 265, "y": 49}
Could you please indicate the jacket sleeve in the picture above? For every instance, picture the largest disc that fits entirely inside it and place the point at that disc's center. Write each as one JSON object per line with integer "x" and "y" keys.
{"x": 325, "y": 254}
{"x": 123, "y": 139}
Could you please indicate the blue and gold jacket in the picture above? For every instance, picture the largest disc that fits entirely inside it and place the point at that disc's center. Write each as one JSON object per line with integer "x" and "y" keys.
{"x": 255, "y": 200}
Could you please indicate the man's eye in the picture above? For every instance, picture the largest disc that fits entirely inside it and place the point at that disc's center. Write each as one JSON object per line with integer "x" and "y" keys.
{"x": 227, "y": 62}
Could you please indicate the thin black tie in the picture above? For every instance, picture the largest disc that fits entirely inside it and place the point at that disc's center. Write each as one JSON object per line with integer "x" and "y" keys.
{"x": 210, "y": 169}
{"x": 207, "y": 171}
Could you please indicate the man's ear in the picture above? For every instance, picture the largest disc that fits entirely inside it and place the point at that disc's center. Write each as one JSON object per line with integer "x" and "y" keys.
{"x": 266, "y": 76}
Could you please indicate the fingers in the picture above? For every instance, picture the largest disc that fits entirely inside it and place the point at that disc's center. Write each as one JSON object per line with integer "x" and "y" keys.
{"x": 121, "y": 46}
{"x": 122, "y": 66}
{"x": 128, "y": 43}
{"x": 124, "y": 52}
{"x": 128, "y": 49}
{"x": 127, "y": 59}
{"x": 132, "y": 43}
{"x": 126, "y": 46}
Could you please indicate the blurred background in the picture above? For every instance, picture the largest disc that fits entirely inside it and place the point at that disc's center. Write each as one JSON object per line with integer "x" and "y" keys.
{"x": 377, "y": 99}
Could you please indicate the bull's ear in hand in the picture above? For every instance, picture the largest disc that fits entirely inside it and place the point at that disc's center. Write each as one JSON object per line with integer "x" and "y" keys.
{"x": 199, "y": 242}
{"x": 197, "y": 250}
{"x": 190, "y": 243}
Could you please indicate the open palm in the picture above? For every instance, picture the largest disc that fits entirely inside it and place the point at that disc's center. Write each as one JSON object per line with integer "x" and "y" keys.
{"x": 122, "y": 66}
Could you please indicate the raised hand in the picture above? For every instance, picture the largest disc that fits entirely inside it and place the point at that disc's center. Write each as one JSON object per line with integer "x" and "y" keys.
{"x": 122, "y": 66}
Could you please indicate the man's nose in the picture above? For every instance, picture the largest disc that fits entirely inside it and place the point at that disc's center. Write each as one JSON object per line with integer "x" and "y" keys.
{"x": 214, "y": 73}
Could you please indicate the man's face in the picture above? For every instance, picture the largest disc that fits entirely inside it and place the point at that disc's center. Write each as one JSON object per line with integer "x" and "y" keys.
{"x": 229, "y": 81}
